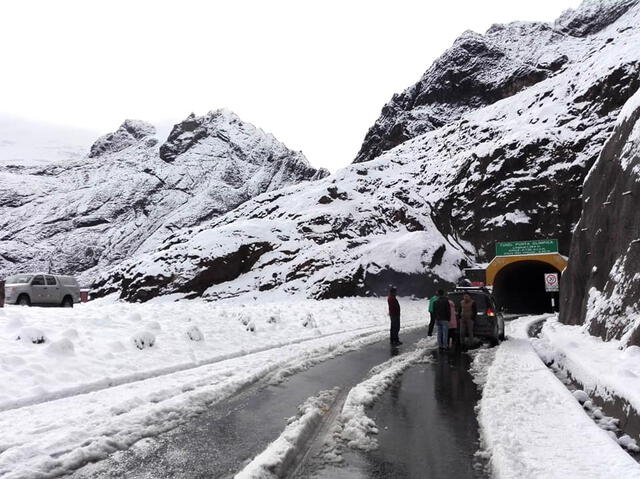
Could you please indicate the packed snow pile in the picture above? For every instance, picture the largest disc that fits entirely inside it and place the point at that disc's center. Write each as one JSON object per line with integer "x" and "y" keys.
{"x": 601, "y": 287}
{"x": 492, "y": 144}
{"x": 126, "y": 197}
{"x": 273, "y": 461}
{"x": 532, "y": 425}
{"x": 50, "y": 353}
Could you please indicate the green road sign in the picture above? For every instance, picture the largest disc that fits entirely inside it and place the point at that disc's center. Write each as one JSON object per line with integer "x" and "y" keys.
{"x": 517, "y": 248}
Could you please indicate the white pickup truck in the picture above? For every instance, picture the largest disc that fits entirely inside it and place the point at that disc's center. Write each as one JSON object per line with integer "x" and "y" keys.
{"x": 38, "y": 289}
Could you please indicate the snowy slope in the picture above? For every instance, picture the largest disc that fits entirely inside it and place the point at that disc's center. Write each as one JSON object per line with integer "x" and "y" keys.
{"x": 126, "y": 196}
{"x": 509, "y": 168}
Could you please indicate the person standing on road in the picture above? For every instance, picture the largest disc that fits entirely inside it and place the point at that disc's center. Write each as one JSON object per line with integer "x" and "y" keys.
{"x": 453, "y": 326}
{"x": 468, "y": 313}
{"x": 442, "y": 312}
{"x": 432, "y": 318}
{"x": 394, "y": 316}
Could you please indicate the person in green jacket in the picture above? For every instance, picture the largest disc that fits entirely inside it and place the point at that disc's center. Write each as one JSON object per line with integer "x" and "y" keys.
{"x": 432, "y": 320}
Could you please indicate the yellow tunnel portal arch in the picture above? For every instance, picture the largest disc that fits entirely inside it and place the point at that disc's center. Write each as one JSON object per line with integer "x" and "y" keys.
{"x": 554, "y": 259}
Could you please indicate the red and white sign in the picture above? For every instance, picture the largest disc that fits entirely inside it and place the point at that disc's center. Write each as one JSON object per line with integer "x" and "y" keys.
{"x": 551, "y": 282}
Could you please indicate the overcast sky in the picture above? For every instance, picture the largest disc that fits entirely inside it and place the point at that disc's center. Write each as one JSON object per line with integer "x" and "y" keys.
{"x": 315, "y": 74}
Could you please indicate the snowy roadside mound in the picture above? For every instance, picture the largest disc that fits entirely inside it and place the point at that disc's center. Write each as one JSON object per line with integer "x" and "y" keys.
{"x": 273, "y": 461}
{"x": 354, "y": 428}
{"x": 62, "y": 352}
{"x": 602, "y": 368}
{"x": 534, "y": 427}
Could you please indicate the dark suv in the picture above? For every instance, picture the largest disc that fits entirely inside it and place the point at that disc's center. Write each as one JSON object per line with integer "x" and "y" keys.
{"x": 489, "y": 323}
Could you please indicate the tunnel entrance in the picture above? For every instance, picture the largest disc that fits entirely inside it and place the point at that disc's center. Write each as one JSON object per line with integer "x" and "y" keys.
{"x": 519, "y": 287}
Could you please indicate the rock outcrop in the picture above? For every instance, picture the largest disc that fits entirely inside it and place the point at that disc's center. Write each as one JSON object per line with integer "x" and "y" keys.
{"x": 124, "y": 198}
{"x": 601, "y": 286}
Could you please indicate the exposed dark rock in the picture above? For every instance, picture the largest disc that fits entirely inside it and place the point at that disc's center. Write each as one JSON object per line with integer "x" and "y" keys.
{"x": 593, "y": 16}
{"x": 601, "y": 285}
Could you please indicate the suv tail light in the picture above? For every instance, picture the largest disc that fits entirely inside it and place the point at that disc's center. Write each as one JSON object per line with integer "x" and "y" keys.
{"x": 490, "y": 312}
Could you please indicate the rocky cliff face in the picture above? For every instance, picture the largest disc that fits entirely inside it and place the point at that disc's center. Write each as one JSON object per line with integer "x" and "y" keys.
{"x": 601, "y": 286}
{"x": 494, "y": 144}
{"x": 479, "y": 70}
{"x": 129, "y": 194}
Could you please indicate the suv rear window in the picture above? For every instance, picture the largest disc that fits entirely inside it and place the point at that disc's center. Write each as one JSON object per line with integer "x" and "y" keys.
{"x": 19, "y": 279}
{"x": 482, "y": 301}
{"x": 51, "y": 281}
{"x": 38, "y": 281}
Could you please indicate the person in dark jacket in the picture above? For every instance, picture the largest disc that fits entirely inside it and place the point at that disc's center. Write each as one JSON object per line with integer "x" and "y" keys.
{"x": 442, "y": 312}
{"x": 394, "y": 316}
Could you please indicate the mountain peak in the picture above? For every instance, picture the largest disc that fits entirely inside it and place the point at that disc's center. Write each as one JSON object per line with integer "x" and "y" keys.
{"x": 128, "y": 134}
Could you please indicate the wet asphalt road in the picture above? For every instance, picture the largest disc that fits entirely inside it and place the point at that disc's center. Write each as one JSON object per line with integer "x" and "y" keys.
{"x": 427, "y": 427}
{"x": 426, "y": 420}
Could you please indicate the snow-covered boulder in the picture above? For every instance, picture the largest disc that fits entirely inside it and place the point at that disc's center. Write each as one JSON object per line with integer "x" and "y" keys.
{"x": 31, "y": 335}
{"x": 194, "y": 334}
{"x": 61, "y": 347}
{"x": 143, "y": 339}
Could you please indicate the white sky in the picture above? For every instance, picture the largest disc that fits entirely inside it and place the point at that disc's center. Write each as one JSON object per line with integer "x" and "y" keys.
{"x": 313, "y": 73}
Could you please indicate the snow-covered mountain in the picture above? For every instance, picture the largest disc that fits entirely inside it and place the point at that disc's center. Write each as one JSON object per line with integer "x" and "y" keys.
{"x": 602, "y": 282}
{"x": 493, "y": 143}
{"x": 132, "y": 192}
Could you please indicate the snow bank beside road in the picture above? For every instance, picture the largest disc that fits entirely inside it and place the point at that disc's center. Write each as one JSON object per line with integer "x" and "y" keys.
{"x": 601, "y": 367}
{"x": 271, "y": 463}
{"x": 99, "y": 345}
{"x": 532, "y": 425}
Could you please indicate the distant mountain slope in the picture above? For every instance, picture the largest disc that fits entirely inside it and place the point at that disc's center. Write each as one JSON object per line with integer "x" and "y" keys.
{"x": 29, "y": 143}
{"x": 130, "y": 194}
{"x": 506, "y": 160}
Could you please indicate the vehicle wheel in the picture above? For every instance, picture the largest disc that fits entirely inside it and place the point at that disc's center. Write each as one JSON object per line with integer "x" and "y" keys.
{"x": 502, "y": 337}
{"x": 67, "y": 302}
{"x": 23, "y": 300}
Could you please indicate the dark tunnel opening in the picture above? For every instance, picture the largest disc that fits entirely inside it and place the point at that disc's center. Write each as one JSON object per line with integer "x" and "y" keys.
{"x": 519, "y": 288}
